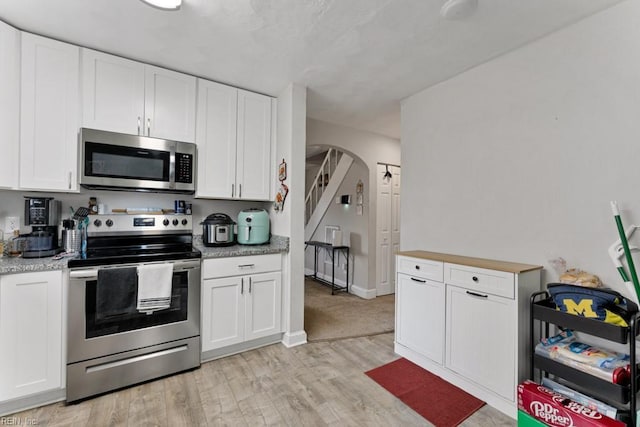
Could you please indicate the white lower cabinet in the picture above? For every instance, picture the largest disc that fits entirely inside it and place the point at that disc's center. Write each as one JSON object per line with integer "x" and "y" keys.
{"x": 420, "y": 307}
{"x": 241, "y": 300}
{"x": 31, "y": 333}
{"x": 472, "y": 351}
{"x": 467, "y": 321}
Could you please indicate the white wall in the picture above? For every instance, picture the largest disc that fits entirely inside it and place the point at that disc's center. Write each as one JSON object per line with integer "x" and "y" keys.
{"x": 370, "y": 148}
{"x": 518, "y": 159}
{"x": 291, "y": 114}
{"x": 355, "y": 234}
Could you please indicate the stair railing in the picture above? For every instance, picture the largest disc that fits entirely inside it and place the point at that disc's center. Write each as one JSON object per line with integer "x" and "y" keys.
{"x": 320, "y": 182}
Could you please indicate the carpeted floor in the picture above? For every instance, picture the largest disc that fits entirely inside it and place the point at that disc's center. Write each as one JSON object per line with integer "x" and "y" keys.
{"x": 328, "y": 317}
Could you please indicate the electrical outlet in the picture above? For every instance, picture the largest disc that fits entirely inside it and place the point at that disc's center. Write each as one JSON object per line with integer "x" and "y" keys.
{"x": 12, "y": 223}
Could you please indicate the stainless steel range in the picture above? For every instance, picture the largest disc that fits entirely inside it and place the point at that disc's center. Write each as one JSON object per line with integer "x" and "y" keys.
{"x": 134, "y": 303}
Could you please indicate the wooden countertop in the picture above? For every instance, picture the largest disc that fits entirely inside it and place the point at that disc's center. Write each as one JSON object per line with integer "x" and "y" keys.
{"x": 510, "y": 267}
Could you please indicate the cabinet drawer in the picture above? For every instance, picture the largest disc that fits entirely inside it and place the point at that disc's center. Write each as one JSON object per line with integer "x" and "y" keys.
{"x": 233, "y": 266}
{"x": 493, "y": 282}
{"x": 419, "y": 267}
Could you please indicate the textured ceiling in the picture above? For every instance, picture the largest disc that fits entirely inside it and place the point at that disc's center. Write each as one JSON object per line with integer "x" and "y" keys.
{"x": 358, "y": 58}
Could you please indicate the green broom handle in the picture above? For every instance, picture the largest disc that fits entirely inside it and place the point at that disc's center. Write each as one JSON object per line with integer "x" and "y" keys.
{"x": 627, "y": 252}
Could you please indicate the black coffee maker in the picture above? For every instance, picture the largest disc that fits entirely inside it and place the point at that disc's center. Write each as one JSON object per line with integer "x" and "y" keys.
{"x": 42, "y": 214}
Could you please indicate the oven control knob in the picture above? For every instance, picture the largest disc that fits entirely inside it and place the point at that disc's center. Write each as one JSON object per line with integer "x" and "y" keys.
{"x": 109, "y": 222}
{"x": 175, "y": 222}
{"x": 165, "y": 222}
{"x": 97, "y": 223}
{"x": 184, "y": 222}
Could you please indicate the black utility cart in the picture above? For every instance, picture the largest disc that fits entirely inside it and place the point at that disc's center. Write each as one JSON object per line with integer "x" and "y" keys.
{"x": 622, "y": 397}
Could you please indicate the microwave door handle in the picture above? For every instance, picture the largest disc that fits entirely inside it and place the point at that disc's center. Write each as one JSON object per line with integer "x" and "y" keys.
{"x": 172, "y": 167}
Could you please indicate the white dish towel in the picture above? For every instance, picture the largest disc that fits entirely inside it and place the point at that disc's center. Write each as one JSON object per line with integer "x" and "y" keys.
{"x": 154, "y": 287}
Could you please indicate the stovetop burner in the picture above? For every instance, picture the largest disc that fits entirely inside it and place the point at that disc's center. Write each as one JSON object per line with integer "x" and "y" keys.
{"x": 127, "y": 239}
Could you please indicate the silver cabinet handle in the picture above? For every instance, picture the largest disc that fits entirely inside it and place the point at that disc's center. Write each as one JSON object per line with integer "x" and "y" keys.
{"x": 240, "y": 191}
{"x": 241, "y": 285}
{"x": 233, "y": 187}
{"x": 148, "y": 127}
{"x": 249, "y": 284}
{"x": 245, "y": 265}
{"x": 138, "y": 125}
{"x": 69, "y": 180}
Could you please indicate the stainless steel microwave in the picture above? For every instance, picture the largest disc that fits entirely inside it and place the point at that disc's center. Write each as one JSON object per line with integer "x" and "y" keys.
{"x": 116, "y": 161}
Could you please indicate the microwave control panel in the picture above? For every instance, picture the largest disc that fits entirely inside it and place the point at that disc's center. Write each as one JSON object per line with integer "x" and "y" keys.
{"x": 184, "y": 168}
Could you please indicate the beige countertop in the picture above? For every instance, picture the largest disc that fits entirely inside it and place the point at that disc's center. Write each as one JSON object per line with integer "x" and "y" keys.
{"x": 490, "y": 264}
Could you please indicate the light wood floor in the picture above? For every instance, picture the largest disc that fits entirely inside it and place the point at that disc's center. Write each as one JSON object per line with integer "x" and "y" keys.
{"x": 314, "y": 384}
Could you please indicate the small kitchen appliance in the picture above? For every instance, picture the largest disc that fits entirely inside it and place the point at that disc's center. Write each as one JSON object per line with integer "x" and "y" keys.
{"x": 41, "y": 213}
{"x": 116, "y": 161}
{"x": 217, "y": 230}
{"x": 253, "y": 227}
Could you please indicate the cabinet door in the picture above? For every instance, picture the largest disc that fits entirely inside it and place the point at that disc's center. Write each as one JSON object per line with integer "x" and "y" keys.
{"x": 253, "y": 174}
{"x": 216, "y": 138}
{"x": 31, "y": 333}
{"x": 420, "y": 316}
{"x": 481, "y": 339}
{"x": 49, "y": 114}
{"x": 9, "y": 105}
{"x": 222, "y": 312}
{"x": 112, "y": 93}
{"x": 170, "y": 105}
{"x": 263, "y": 305}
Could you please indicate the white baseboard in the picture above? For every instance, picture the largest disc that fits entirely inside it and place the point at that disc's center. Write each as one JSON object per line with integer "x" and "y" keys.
{"x": 363, "y": 293}
{"x": 294, "y": 338}
{"x": 353, "y": 289}
{"x": 28, "y": 402}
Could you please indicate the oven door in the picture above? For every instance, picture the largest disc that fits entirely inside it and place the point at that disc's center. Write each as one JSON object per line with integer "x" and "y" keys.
{"x": 103, "y": 318}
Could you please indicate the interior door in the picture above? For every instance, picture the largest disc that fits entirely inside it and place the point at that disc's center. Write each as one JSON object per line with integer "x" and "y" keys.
{"x": 387, "y": 227}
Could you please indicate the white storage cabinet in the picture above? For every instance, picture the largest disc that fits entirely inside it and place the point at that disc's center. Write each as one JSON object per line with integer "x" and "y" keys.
{"x": 235, "y": 144}
{"x": 420, "y": 307}
{"x": 126, "y": 96}
{"x": 31, "y": 333}
{"x": 467, "y": 322}
{"x": 241, "y": 299}
{"x": 9, "y": 105}
{"x": 49, "y": 114}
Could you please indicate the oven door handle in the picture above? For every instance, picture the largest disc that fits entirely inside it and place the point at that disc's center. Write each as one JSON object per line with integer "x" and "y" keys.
{"x": 83, "y": 274}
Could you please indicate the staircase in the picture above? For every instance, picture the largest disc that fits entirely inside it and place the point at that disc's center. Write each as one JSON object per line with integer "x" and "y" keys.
{"x": 332, "y": 171}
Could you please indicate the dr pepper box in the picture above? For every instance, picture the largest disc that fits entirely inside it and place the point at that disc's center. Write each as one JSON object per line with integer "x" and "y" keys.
{"x": 557, "y": 410}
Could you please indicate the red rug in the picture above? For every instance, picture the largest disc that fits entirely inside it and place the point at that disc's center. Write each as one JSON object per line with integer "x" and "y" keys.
{"x": 441, "y": 403}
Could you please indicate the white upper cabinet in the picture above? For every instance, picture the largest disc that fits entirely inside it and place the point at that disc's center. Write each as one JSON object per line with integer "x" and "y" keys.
{"x": 126, "y": 96}
{"x": 9, "y": 105}
{"x": 49, "y": 114}
{"x": 235, "y": 145}
{"x": 216, "y": 138}
{"x": 112, "y": 93}
{"x": 170, "y": 104}
{"x": 254, "y": 163}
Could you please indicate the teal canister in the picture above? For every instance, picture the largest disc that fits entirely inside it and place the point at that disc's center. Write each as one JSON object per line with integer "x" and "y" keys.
{"x": 253, "y": 227}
